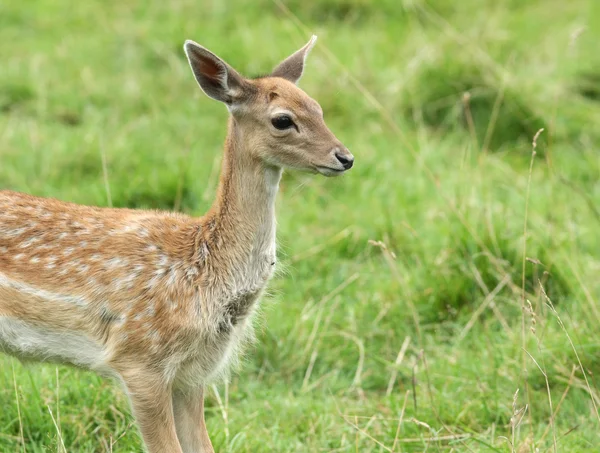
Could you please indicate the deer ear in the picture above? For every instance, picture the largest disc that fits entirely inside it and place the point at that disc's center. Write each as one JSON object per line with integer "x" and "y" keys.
{"x": 293, "y": 66}
{"x": 216, "y": 78}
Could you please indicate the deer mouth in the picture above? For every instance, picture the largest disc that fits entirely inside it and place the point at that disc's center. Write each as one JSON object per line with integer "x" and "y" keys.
{"x": 330, "y": 171}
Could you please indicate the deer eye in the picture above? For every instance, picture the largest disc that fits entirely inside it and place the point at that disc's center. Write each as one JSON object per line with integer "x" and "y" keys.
{"x": 282, "y": 122}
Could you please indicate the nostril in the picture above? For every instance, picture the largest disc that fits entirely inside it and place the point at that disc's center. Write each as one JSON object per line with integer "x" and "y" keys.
{"x": 346, "y": 160}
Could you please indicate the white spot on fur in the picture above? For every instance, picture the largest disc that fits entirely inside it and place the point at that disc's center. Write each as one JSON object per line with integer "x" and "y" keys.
{"x": 119, "y": 321}
{"x": 191, "y": 272}
{"x": 150, "y": 310}
{"x": 154, "y": 335}
{"x": 29, "y": 242}
{"x": 163, "y": 260}
{"x": 126, "y": 282}
{"x": 15, "y": 233}
{"x": 114, "y": 262}
{"x": 173, "y": 276}
{"x": 154, "y": 281}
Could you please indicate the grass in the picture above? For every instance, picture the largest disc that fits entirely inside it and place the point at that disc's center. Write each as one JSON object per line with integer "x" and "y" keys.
{"x": 422, "y": 306}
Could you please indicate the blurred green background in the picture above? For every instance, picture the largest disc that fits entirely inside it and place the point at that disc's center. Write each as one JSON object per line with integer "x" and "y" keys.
{"x": 419, "y": 307}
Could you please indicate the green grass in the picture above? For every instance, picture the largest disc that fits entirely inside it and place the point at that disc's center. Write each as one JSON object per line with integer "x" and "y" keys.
{"x": 441, "y": 179}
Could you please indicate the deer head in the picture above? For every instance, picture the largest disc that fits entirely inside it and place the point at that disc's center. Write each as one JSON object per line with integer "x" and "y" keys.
{"x": 282, "y": 126}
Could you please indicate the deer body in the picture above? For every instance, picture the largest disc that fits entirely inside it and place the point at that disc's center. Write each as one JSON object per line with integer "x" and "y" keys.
{"x": 161, "y": 301}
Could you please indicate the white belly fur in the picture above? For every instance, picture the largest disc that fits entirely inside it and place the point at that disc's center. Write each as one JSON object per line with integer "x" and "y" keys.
{"x": 27, "y": 341}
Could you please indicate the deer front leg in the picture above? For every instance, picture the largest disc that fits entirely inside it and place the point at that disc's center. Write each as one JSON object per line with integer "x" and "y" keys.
{"x": 152, "y": 406}
{"x": 188, "y": 407}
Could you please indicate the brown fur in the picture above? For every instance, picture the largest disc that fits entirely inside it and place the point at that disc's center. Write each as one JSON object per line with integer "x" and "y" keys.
{"x": 163, "y": 300}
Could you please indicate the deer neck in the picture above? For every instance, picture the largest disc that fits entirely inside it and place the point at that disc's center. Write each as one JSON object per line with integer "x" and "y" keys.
{"x": 241, "y": 223}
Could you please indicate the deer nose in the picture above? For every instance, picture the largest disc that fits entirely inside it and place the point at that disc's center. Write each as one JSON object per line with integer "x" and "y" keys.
{"x": 345, "y": 158}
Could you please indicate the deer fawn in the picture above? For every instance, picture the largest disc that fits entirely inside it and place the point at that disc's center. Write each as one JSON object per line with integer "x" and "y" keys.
{"x": 159, "y": 300}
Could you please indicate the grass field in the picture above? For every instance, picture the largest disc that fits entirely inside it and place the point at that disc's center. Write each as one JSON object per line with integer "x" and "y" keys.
{"x": 442, "y": 296}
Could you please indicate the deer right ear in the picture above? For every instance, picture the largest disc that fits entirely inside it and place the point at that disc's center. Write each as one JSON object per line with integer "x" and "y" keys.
{"x": 216, "y": 78}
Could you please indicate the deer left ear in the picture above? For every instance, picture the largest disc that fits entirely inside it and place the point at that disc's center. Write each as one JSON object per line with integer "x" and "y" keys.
{"x": 293, "y": 66}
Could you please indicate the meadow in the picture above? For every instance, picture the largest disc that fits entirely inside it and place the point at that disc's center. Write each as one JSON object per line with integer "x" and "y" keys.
{"x": 441, "y": 296}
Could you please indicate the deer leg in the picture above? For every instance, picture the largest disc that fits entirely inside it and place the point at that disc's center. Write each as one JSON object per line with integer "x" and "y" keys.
{"x": 152, "y": 406}
{"x": 189, "y": 421}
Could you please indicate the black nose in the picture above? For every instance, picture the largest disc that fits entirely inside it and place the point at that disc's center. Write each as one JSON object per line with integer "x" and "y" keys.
{"x": 346, "y": 160}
